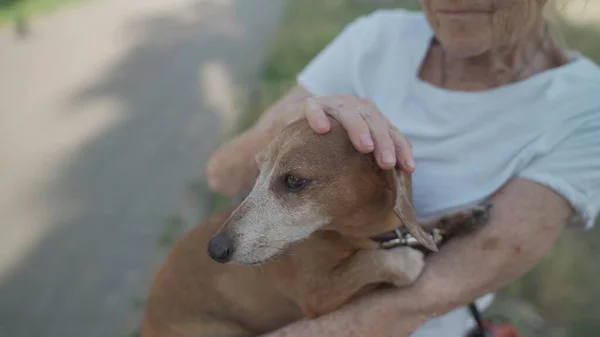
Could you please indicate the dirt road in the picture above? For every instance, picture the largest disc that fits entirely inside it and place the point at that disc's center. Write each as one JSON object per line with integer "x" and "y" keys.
{"x": 108, "y": 111}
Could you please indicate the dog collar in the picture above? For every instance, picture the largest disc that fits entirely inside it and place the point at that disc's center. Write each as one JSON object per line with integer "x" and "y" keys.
{"x": 398, "y": 237}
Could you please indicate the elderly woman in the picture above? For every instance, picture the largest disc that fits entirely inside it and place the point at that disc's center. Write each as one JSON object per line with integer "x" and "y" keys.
{"x": 476, "y": 99}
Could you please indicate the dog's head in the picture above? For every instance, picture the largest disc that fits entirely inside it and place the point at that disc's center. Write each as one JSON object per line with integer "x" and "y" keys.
{"x": 310, "y": 182}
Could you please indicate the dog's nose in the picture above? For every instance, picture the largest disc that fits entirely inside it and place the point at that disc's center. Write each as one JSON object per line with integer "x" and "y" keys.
{"x": 220, "y": 248}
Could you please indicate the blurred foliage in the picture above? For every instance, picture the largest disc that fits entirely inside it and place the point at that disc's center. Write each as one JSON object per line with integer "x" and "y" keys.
{"x": 18, "y": 11}
{"x": 560, "y": 297}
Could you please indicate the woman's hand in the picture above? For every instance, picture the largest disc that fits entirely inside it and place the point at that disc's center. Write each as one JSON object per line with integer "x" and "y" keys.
{"x": 232, "y": 169}
{"x": 367, "y": 128}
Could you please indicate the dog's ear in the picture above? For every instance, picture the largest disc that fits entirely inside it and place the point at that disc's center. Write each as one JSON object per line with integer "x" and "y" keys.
{"x": 400, "y": 183}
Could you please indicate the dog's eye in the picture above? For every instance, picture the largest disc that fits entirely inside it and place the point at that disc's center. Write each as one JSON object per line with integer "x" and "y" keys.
{"x": 295, "y": 184}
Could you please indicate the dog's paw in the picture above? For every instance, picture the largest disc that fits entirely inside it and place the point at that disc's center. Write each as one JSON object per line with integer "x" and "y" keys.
{"x": 404, "y": 265}
{"x": 466, "y": 220}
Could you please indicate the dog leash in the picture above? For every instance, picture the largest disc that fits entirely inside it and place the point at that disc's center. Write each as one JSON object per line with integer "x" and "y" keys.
{"x": 401, "y": 238}
{"x": 480, "y": 329}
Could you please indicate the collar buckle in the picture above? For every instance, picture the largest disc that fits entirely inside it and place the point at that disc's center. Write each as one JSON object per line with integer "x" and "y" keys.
{"x": 398, "y": 238}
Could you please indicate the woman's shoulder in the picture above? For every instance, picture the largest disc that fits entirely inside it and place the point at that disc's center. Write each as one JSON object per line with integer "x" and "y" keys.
{"x": 581, "y": 71}
{"x": 576, "y": 83}
{"x": 367, "y": 49}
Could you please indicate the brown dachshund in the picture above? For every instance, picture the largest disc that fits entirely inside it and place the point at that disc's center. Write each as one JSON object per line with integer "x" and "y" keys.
{"x": 306, "y": 240}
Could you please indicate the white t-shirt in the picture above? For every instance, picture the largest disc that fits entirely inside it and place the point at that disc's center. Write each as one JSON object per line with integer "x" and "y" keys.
{"x": 468, "y": 144}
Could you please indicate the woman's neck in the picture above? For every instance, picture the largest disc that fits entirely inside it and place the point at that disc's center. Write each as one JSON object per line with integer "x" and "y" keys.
{"x": 527, "y": 57}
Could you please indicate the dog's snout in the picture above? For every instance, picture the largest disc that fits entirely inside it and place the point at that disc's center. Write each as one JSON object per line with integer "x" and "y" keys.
{"x": 220, "y": 248}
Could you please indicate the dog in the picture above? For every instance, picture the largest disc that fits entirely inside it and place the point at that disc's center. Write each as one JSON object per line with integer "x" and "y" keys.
{"x": 306, "y": 240}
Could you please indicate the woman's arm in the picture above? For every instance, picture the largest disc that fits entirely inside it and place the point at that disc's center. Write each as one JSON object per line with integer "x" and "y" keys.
{"x": 526, "y": 220}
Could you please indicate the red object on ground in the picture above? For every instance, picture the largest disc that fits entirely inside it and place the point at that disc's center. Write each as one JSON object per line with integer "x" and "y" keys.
{"x": 501, "y": 330}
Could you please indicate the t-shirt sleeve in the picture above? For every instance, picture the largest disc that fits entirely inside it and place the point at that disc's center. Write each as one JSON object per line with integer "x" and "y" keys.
{"x": 332, "y": 70}
{"x": 572, "y": 169}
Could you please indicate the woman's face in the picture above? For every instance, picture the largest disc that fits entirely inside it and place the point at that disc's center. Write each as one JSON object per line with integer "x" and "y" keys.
{"x": 472, "y": 27}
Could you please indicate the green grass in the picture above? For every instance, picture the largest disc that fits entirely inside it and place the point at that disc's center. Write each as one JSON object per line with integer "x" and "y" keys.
{"x": 564, "y": 289}
{"x": 13, "y": 11}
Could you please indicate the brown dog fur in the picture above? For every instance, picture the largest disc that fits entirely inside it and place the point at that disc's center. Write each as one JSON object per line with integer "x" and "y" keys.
{"x": 287, "y": 267}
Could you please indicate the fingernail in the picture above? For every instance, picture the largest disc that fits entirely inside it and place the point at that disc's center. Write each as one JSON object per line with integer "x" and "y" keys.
{"x": 410, "y": 162}
{"x": 366, "y": 141}
{"x": 321, "y": 124}
{"x": 387, "y": 157}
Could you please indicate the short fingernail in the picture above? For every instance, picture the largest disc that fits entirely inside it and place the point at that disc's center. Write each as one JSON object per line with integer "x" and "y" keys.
{"x": 321, "y": 123}
{"x": 410, "y": 163}
{"x": 387, "y": 157}
{"x": 366, "y": 141}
